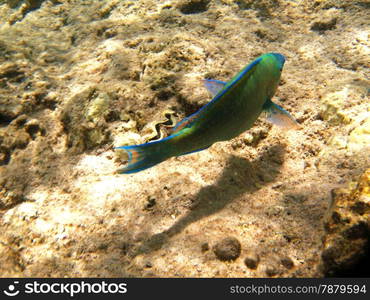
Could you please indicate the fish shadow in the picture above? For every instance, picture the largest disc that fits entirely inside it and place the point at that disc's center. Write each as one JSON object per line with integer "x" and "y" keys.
{"x": 238, "y": 177}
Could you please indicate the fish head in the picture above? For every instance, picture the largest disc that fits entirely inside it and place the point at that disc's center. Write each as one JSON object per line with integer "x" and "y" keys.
{"x": 272, "y": 64}
{"x": 279, "y": 60}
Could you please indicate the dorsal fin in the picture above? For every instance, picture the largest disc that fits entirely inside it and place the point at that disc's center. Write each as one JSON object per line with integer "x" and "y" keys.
{"x": 214, "y": 86}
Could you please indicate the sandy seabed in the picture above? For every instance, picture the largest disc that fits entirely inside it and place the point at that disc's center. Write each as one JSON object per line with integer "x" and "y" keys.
{"x": 80, "y": 77}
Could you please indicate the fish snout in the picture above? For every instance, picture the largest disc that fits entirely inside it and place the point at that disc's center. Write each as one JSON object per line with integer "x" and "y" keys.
{"x": 280, "y": 58}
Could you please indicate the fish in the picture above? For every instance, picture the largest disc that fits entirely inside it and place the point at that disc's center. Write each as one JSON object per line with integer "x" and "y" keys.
{"x": 235, "y": 107}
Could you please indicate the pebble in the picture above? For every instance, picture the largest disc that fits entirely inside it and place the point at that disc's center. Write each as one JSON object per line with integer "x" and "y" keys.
{"x": 271, "y": 271}
{"x": 204, "y": 247}
{"x": 227, "y": 249}
{"x": 287, "y": 262}
{"x": 252, "y": 260}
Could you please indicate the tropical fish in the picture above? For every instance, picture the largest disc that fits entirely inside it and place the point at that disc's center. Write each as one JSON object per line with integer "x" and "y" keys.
{"x": 235, "y": 107}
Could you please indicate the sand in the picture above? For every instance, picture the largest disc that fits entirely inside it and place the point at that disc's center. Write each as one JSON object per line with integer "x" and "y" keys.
{"x": 77, "y": 79}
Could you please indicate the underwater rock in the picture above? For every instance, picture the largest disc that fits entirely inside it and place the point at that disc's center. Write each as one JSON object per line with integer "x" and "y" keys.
{"x": 9, "y": 198}
{"x": 19, "y": 133}
{"x": 327, "y": 21}
{"x": 333, "y": 104}
{"x": 83, "y": 119}
{"x": 287, "y": 262}
{"x": 33, "y": 128}
{"x": 347, "y": 227}
{"x": 271, "y": 270}
{"x": 10, "y": 260}
{"x": 24, "y": 7}
{"x": 11, "y": 75}
{"x": 323, "y": 26}
{"x": 100, "y": 74}
{"x": 32, "y": 4}
{"x": 98, "y": 108}
{"x": 359, "y": 138}
{"x": 204, "y": 247}
{"x": 193, "y": 6}
{"x": 252, "y": 260}
{"x": 352, "y": 53}
{"x": 263, "y": 7}
{"x": 227, "y": 249}
{"x": 4, "y": 155}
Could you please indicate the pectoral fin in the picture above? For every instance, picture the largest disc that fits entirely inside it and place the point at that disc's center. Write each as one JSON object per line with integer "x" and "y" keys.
{"x": 186, "y": 122}
{"x": 279, "y": 116}
{"x": 213, "y": 86}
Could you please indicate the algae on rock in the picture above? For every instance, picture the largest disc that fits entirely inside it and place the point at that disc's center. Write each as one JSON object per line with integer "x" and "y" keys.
{"x": 347, "y": 226}
{"x": 90, "y": 130}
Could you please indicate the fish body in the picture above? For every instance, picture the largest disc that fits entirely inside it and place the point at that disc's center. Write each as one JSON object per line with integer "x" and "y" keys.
{"x": 234, "y": 109}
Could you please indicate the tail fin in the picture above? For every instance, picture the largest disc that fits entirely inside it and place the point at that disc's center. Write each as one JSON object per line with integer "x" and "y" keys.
{"x": 144, "y": 156}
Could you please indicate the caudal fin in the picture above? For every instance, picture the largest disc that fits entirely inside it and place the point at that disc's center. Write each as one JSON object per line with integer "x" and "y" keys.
{"x": 141, "y": 157}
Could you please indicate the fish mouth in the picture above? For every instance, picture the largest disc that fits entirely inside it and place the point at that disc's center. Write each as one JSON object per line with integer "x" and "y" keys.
{"x": 279, "y": 57}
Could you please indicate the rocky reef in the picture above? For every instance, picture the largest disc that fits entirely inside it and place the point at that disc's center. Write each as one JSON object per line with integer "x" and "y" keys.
{"x": 78, "y": 78}
{"x": 346, "y": 241}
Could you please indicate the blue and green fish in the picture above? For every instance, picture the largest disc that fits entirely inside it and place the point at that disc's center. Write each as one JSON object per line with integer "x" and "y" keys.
{"x": 234, "y": 109}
